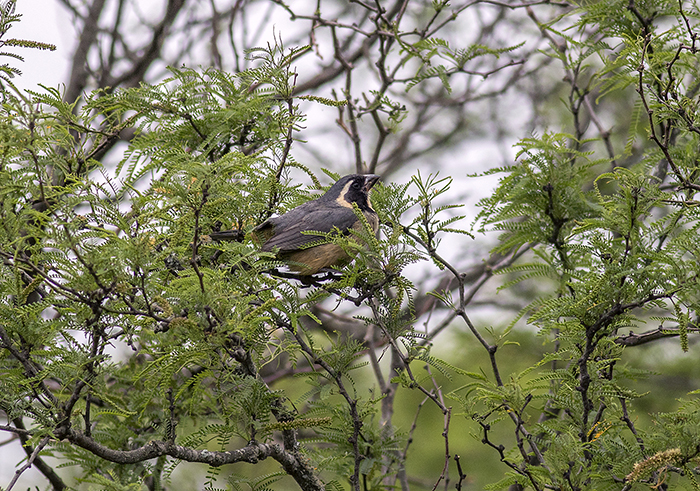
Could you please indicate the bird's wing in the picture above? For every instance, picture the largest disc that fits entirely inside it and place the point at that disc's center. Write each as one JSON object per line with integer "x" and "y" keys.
{"x": 288, "y": 228}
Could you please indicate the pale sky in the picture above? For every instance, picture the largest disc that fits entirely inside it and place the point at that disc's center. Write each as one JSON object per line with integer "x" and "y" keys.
{"x": 45, "y": 21}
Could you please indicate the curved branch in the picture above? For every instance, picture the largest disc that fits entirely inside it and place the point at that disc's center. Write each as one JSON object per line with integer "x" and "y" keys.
{"x": 633, "y": 339}
{"x": 35, "y": 459}
{"x": 252, "y": 453}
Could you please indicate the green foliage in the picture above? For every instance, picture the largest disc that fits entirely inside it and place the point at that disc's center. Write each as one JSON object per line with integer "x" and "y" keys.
{"x": 431, "y": 49}
{"x": 96, "y": 258}
{"x": 133, "y": 342}
{"x": 613, "y": 246}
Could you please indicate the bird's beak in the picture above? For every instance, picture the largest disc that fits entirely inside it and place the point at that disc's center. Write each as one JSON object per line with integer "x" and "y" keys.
{"x": 371, "y": 180}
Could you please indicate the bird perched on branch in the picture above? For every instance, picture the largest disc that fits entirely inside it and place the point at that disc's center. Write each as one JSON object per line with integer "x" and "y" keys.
{"x": 284, "y": 234}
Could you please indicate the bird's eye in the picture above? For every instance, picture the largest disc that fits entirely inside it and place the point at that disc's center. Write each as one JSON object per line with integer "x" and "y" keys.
{"x": 355, "y": 185}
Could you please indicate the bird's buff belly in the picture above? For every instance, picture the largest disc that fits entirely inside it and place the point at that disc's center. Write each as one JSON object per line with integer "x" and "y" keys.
{"x": 311, "y": 260}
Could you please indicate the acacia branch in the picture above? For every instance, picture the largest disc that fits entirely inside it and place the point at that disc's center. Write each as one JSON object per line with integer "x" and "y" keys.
{"x": 34, "y": 458}
{"x": 150, "y": 52}
{"x": 357, "y": 423}
{"x": 252, "y": 453}
{"x": 79, "y": 72}
{"x": 633, "y": 339}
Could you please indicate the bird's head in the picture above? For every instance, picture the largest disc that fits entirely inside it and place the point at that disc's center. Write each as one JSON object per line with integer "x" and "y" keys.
{"x": 353, "y": 189}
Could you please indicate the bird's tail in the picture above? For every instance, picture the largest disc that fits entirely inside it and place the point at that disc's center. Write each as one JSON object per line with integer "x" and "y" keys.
{"x": 228, "y": 235}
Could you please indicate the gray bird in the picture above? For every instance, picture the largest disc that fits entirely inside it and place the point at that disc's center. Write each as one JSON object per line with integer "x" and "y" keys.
{"x": 283, "y": 234}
